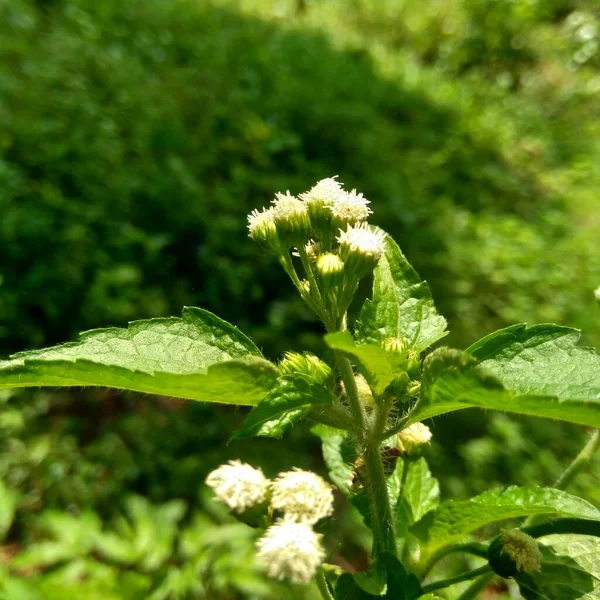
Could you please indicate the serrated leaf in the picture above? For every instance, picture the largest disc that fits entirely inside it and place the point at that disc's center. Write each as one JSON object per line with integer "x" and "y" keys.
{"x": 380, "y": 367}
{"x": 570, "y": 570}
{"x": 401, "y": 305}
{"x": 197, "y": 357}
{"x": 420, "y": 494}
{"x": 292, "y": 393}
{"x": 453, "y": 520}
{"x": 542, "y": 360}
{"x": 340, "y": 470}
{"x": 453, "y": 380}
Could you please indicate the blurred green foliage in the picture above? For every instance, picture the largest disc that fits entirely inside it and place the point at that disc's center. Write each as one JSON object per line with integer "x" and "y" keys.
{"x": 134, "y": 139}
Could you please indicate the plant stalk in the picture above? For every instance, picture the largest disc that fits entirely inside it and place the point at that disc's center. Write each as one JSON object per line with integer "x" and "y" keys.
{"x": 472, "y": 592}
{"x": 438, "y": 585}
{"x": 323, "y": 586}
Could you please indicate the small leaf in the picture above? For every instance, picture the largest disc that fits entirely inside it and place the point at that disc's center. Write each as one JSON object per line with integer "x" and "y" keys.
{"x": 453, "y": 520}
{"x": 288, "y": 400}
{"x": 334, "y": 442}
{"x": 401, "y": 305}
{"x": 347, "y": 589}
{"x": 420, "y": 494}
{"x": 453, "y": 379}
{"x": 570, "y": 570}
{"x": 198, "y": 357}
{"x": 380, "y": 367}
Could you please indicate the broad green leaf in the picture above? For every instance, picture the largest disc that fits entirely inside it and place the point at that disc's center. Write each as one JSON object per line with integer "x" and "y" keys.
{"x": 570, "y": 570}
{"x": 542, "y": 360}
{"x": 401, "y": 305}
{"x": 292, "y": 393}
{"x": 453, "y": 520}
{"x": 380, "y": 367}
{"x": 197, "y": 356}
{"x": 453, "y": 379}
{"x": 419, "y": 495}
{"x": 334, "y": 442}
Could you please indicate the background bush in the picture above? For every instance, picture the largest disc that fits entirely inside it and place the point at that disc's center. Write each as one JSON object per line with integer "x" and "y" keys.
{"x": 135, "y": 138}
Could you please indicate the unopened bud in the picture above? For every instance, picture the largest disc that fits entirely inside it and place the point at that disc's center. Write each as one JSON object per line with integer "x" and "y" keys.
{"x": 397, "y": 344}
{"x": 414, "y": 362}
{"x": 513, "y": 551}
{"x": 413, "y": 437}
{"x": 262, "y": 229}
{"x": 291, "y": 220}
{"x": 330, "y": 268}
{"x": 414, "y": 387}
{"x": 306, "y": 364}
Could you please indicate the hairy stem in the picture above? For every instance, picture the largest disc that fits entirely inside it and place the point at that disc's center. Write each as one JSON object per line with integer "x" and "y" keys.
{"x": 323, "y": 586}
{"x": 438, "y": 585}
{"x": 356, "y": 407}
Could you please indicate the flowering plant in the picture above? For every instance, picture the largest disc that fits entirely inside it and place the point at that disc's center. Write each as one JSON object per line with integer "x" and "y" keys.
{"x": 367, "y": 399}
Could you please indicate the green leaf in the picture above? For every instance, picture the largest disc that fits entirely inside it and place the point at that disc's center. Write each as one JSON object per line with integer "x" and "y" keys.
{"x": 453, "y": 520}
{"x": 347, "y": 589}
{"x": 380, "y": 367}
{"x": 401, "y": 585}
{"x": 401, "y": 305}
{"x": 197, "y": 356}
{"x": 293, "y": 393}
{"x": 453, "y": 379}
{"x": 420, "y": 494}
{"x": 334, "y": 443}
{"x": 542, "y": 360}
{"x": 570, "y": 570}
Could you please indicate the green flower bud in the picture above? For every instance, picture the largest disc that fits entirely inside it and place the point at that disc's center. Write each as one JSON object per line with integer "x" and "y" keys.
{"x": 414, "y": 362}
{"x": 293, "y": 363}
{"x": 513, "y": 551}
{"x": 397, "y": 344}
{"x": 414, "y": 388}
{"x": 291, "y": 220}
{"x": 262, "y": 229}
{"x": 330, "y": 269}
{"x": 361, "y": 248}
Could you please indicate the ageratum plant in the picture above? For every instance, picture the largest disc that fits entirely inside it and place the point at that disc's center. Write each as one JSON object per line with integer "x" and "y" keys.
{"x": 367, "y": 397}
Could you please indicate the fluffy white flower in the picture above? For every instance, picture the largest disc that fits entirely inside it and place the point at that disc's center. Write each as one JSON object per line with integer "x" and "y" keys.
{"x": 302, "y": 496}
{"x": 362, "y": 240}
{"x": 238, "y": 485}
{"x": 326, "y": 191}
{"x": 260, "y": 222}
{"x": 286, "y": 206}
{"x": 350, "y": 207}
{"x": 414, "y": 436}
{"x": 292, "y": 551}
{"x": 291, "y": 219}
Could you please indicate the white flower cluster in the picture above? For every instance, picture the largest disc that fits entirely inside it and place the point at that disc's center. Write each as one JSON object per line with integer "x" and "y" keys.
{"x": 239, "y": 485}
{"x": 290, "y": 546}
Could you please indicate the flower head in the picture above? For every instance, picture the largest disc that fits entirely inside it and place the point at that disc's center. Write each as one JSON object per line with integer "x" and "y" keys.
{"x": 349, "y": 208}
{"x": 413, "y": 437}
{"x": 291, "y": 219}
{"x": 302, "y": 496}
{"x": 361, "y": 248}
{"x": 307, "y": 364}
{"x": 261, "y": 227}
{"x": 238, "y": 485}
{"x": 318, "y": 200}
{"x": 292, "y": 550}
{"x": 330, "y": 268}
{"x": 522, "y": 549}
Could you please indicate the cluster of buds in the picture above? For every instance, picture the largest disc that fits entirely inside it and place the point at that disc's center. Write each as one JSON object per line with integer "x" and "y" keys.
{"x": 290, "y": 546}
{"x": 328, "y": 227}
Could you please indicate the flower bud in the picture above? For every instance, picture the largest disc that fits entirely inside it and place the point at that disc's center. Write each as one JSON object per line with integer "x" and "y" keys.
{"x": 397, "y": 344}
{"x": 414, "y": 387}
{"x": 513, "y": 551}
{"x": 302, "y": 496}
{"x": 291, "y": 220}
{"x": 238, "y": 485}
{"x": 413, "y": 437}
{"x": 292, "y": 550}
{"x": 361, "y": 248}
{"x": 307, "y": 364}
{"x": 414, "y": 362}
{"x": 349, "y": 208}
{"x": 318, "y": 200}
{"x": 262, "y": 229}
{"x": 330, "y": 269}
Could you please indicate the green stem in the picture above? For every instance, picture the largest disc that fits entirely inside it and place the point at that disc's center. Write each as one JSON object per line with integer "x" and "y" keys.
{"x": 314, "y": 288}
{"x": 438, "y": 585}
{"x": 288, "y": 267}
{"x": 472, "y": 592}
{"x": 470, "y": 548}
{"x": 579, "y": 462}
{"x": 323, "y": 586}
{"x": 356, "y": 407}
{"x": 388, "y": 433}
